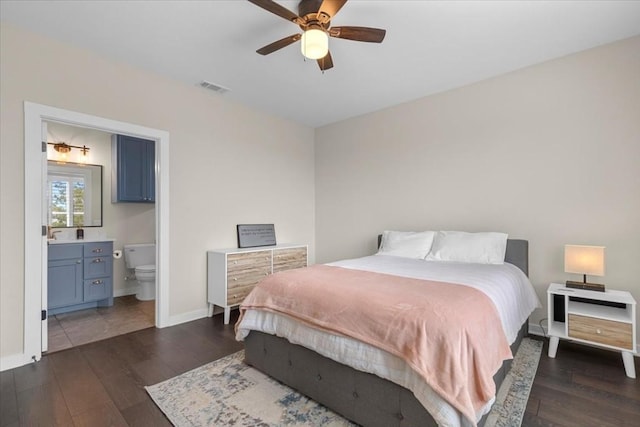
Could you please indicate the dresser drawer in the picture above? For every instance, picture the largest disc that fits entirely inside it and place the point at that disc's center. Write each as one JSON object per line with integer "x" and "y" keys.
{"x": 607, "y": 332}
{"x": 248, "y": 260}
{"x": 287, "y": 259}
{"x": 236, "y": 295}
{"x": 249, "y": 276}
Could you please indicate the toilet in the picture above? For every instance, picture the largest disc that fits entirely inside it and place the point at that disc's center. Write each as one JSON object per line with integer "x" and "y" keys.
{"x": 142, "y": 258}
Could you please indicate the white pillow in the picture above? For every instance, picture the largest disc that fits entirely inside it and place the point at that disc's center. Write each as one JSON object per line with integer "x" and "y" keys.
{"x": 479, "y": 248}
{"x": 408, "y": 244}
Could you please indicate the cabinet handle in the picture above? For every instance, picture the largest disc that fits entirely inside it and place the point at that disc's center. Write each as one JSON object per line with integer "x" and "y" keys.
{"x": 79, "y": 261}
{"x": 97, "y": 251}
{"x": 97, "y": 282}
{"x": 235, "y": 262}
{"x": 97, "y": 260}
{"x": 266, "y": 257}
{"x": 235, "y": 279}
{"x": 598, "y": 331}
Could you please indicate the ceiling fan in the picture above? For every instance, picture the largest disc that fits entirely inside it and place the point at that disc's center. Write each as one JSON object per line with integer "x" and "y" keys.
{"x": 314, "y": 19}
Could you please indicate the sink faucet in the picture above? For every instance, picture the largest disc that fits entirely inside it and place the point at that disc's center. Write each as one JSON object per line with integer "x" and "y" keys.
{"x": 52, "y": 234}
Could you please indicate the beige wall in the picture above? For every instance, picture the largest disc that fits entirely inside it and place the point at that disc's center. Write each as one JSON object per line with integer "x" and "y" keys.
{"x": 550, "y": 153}
{"x": 228, "y": 164}
{"x": 125, "y": 222}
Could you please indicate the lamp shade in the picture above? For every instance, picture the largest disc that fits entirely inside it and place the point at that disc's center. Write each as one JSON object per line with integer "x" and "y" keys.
{"x": 314, "y": 44}
{"x": 584, "y": 259}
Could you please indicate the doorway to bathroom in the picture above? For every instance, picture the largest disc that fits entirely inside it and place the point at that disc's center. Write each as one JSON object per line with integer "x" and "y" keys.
{"x": 37, "y": 117}
{"x": 81, "y": 200}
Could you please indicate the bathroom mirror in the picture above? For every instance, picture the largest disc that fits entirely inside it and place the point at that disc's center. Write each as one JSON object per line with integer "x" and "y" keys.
{"x": 74, "y": 194}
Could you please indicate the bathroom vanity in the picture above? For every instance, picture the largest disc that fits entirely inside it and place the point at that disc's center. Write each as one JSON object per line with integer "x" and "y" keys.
{"x": 80, "y": 275}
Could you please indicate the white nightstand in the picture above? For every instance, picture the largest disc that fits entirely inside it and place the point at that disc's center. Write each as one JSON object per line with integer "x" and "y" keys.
{"x": 606, "y": 319}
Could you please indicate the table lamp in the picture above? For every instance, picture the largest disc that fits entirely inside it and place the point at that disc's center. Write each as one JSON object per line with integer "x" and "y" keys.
{"x": 584, "y": 260}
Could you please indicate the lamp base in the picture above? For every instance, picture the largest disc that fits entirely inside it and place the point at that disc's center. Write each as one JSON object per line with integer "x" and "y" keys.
{"x": 586, "y": 286}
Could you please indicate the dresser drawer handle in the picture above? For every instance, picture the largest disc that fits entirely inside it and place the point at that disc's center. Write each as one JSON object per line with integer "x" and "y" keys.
{"x": 97, "y": 282}
{"x": 598, "y": 331}
{"x": 97, "y": 251}
{"x": 235, "y": 279}
{"x": 97, "y": 261}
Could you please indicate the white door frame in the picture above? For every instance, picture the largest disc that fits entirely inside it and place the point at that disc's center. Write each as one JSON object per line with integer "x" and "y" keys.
{"x": 35, "y": 252}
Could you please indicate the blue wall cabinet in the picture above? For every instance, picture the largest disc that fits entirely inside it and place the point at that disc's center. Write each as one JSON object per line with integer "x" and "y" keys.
{"x": 133, "y": 176}
{"x": 79, "y": 276}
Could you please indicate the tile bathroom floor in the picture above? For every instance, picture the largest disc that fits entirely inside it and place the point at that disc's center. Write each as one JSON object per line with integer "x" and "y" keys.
{"x": 94, "y": 324}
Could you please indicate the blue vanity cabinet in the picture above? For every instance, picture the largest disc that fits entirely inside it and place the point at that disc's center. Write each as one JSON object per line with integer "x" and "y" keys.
{"x": 64, "y": 275}
{"x": 133, "y": 170}
{"x": 79, "y": 276}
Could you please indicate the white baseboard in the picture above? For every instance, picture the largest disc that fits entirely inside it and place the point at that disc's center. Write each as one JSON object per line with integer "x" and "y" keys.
{"x": 14, "y": 361}
{"x": 187, "y": 317}
{"x": 129, "y": 290}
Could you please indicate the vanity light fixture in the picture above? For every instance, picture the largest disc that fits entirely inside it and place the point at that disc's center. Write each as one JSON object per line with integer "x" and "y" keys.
{"x": 64, "y": 149}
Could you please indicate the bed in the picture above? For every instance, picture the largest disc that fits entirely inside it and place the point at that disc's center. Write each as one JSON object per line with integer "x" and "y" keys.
{"x": 364, "y": 384}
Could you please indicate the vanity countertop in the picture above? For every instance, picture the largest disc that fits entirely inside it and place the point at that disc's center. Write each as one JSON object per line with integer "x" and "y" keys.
{"x": 68, "y": 241}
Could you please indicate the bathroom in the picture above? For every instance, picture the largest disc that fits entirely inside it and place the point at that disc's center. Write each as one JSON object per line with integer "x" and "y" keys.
{"x": 130, "y": 306}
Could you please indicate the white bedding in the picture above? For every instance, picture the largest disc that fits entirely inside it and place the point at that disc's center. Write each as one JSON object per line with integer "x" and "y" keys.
{"x": 506, "y": 285}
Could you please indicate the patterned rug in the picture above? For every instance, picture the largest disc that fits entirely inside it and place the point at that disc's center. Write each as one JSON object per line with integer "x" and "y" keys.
{"x": 228, "y": 392}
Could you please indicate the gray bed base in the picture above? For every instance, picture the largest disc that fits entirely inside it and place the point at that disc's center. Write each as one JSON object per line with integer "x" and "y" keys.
{"x": 363, "y": 398}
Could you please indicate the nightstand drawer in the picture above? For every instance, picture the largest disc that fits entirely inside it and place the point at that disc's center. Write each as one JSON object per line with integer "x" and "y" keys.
{"x": 607, "y": 332}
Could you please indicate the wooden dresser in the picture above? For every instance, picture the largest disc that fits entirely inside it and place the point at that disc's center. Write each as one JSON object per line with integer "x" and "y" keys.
{"x": 232, "y": 273}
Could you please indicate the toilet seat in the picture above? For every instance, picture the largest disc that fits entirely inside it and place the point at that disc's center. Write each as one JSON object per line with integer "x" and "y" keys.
{"x": 146, "y": 268}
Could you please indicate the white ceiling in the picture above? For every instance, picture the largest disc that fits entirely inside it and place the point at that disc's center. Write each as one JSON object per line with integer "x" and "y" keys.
{"x": 430, "y": 47}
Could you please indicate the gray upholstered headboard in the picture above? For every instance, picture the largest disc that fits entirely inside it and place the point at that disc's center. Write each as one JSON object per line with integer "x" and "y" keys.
{"x": 517, "y": 253}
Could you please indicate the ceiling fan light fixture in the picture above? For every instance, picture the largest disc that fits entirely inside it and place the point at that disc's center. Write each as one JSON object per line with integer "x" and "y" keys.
{"x": 314, "y": 43}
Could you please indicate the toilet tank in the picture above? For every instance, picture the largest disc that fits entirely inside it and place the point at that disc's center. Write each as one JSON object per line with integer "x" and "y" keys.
{"x": 139, "y": 254}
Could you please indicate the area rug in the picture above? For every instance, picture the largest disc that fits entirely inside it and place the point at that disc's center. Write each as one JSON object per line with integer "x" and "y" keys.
{"x": 512, "y": 397}
{"x": 229, "y": 392}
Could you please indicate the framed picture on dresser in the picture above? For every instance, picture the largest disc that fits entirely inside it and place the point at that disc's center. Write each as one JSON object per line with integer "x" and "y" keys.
{"x": 253, "y": 235}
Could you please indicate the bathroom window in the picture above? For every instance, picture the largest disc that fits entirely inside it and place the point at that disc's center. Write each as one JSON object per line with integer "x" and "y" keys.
{"x": 66, "y": 200}
{"x": 74, "y": 195}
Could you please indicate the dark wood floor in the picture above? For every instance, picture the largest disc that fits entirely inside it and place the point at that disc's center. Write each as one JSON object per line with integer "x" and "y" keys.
{"x": 583, "y": 387}
{"x": 101, "y": 384}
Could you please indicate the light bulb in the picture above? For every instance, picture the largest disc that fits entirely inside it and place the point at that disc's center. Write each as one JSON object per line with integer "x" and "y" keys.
{"x": 314, "y": 44}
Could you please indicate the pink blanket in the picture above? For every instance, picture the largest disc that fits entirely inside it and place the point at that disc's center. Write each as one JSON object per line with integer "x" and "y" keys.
{"x": 449, "y": 334}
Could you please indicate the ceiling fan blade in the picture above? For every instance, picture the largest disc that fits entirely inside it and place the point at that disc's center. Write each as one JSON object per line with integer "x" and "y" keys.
{"x": 361, "y": 34}
{"x": 279, "y": 44}
{"x": 326, "y": 62}
{"x": 276, "y": 9}
{"x": 328, "y": 9}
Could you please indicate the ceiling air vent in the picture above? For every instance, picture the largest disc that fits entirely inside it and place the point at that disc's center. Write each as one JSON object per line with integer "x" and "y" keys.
{"x": 214, "y": 87}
